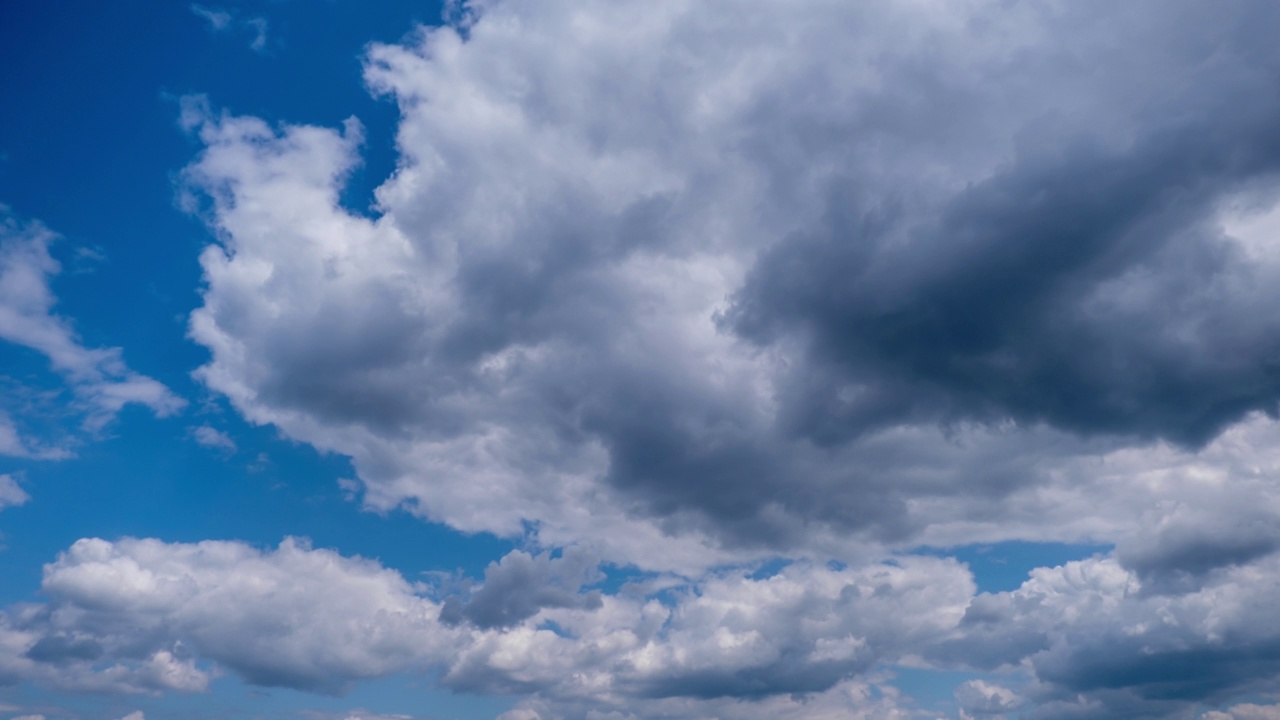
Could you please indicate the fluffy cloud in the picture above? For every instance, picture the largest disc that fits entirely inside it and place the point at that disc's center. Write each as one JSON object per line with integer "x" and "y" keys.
{"x": 294, "y": 616}
{"x": 695, "y": 284}
{"x": 1100, "y": 642}
{"x": 726, "y": 280}
{"x": 100, "y": 380}
{"x": 142, "y": 615}
{"x": 806, "y": 641}
{"x": 983, "y": 699}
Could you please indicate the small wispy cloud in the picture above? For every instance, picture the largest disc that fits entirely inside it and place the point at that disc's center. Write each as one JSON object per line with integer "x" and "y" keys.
{"x": 213, "y": 438}
{"x": 11, "y": 495}
{"x": 217, "y": 19}
{"x": 14, "y": 444}
{"x": 223, "y": 20}
{"x": 259, "y": 27}
{"x": 98, "y": 377}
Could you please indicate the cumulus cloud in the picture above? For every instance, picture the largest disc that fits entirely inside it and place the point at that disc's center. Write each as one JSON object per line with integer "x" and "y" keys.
{"x": 761, "y": 299}
{"x": 806, "y": 641}
{"x": 293, "y": 617}
{"x": 1095, "y": 639}
{"x": 693, "y": 285}
{"x": 141, "y": 615}
{"x": 98, "y": 377}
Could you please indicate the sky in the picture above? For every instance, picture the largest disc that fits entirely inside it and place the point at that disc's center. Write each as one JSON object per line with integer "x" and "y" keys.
{"x": 599, "y": 360}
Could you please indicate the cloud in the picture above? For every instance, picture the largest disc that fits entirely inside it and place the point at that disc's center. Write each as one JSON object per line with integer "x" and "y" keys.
{"x": 669, "y": 314}
{"x": 138, "y": 615}
{"x": 143, "y": 615}
{"x": 292, "y": 617}
{"x": 683, "y": 287}
{"x": 1095, "y": 639}
{"x": 218, "y": 20}
{"x": 224, "y": 20}
{"x": 983, "y": 699}
{"x": 1245, "y": 711}
{"x": 213, "y": 438}
{"x": 100, "y": 380}
{"x": 519, "y": 585}
{"x": 10, "y": 493}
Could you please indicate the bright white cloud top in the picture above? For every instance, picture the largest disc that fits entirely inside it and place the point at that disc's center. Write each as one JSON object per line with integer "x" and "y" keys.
{"x": 723, "y": 311}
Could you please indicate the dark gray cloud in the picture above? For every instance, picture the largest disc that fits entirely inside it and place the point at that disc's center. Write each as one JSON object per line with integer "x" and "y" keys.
{"x": 519, "y": 585}
{"x": 60, "y": 648}
{"x": 1084, "y": 284}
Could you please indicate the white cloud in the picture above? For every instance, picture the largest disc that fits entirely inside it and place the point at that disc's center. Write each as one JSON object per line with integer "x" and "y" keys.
{"x": 135, "y": 715}
{"x": 142, "y": 615}
{"x": 293, "y": 616}
{"x": 984, "y": 699}
{"x": 308, "y": 618}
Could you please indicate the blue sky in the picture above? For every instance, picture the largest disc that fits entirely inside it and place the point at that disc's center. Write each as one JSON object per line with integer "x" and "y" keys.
{"x": 576, "y": 359}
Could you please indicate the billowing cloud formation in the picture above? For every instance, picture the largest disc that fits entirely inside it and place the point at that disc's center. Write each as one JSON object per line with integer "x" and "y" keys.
{"x": 679, "y": 285}
{"x": 98, "y": 377}
{"x": 295, "y": 617}
{"x": 1100, "y": 640}
{"x": 731, "y": 272}
{"x": 806, "y": 641}
{"x": 140, "y": 615}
